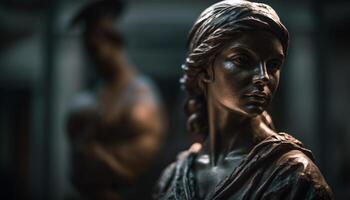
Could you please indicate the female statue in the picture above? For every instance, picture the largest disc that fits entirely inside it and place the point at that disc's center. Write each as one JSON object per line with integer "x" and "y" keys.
{"x": 236, "y": 50}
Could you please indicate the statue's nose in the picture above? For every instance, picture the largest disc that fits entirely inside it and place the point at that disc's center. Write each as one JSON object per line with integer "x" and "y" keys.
{"x": 261, "y": 76}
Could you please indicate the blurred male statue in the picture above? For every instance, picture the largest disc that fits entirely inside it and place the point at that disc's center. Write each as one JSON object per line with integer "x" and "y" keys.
{"x": 115, "y": 129}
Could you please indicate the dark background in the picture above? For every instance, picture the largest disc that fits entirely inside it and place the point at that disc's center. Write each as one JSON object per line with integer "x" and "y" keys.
{"x": 42, "y": 66}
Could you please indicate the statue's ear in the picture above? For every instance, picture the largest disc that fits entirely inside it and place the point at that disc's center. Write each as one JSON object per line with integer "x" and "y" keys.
{"x": 205, "y": 77}
{"x": 208, "y": 75}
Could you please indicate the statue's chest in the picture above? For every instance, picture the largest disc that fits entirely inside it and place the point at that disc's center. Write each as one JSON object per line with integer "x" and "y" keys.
{"x": 208, "y": 176}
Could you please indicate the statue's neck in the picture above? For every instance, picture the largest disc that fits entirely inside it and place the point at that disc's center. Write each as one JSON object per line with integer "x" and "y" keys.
{"x": 230, "y": 131}
{"x": 118, "y": 70}
{"x": 122, "y": 76}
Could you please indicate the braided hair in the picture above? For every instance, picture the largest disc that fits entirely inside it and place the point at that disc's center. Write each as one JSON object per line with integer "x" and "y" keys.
{"x": 216, "y": 26}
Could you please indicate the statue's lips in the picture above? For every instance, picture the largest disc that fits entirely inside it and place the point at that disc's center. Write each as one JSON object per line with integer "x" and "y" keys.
{"x": 257, "y": 98}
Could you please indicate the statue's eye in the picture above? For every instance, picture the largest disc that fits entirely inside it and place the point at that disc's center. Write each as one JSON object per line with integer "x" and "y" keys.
{"x": 274, "y": 65}
{"x": 240, "y": 60}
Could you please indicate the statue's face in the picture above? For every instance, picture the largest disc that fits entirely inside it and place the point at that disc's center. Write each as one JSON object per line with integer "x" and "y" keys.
{"x": 246, "y": 72}
{"x": 105, "y": 52}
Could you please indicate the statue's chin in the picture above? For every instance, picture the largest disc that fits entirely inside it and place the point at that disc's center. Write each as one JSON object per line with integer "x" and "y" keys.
{"x": 254, "y": 110}
{"x": 246, "y": 109}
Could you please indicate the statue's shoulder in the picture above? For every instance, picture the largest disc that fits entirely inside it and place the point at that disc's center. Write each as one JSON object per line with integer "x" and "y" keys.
{"x": 82, "y": 102}
{"x": 82, "y": 110}
{"x": 296, "y": 173}
{"x": 301, "y": 165}
{"x": 165, "y": 180}
{"x": 297, "y": 158}
{"x": 142, "y": 89}
{"x": 175, "y": 170}
{"x": 169, "y": 172}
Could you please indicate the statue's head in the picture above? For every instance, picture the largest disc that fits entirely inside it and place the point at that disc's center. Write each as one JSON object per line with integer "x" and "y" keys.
{"x": 236, "y": 49}
{"x": 104, "y": 46}
{"x": 102, "y": 40}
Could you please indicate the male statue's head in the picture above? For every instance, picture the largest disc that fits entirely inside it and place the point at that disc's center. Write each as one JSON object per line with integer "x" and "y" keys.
{"x": 102, "y": 41}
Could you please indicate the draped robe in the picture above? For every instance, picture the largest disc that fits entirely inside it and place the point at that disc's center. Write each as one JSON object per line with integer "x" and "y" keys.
{"x": 279, "y": 167}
